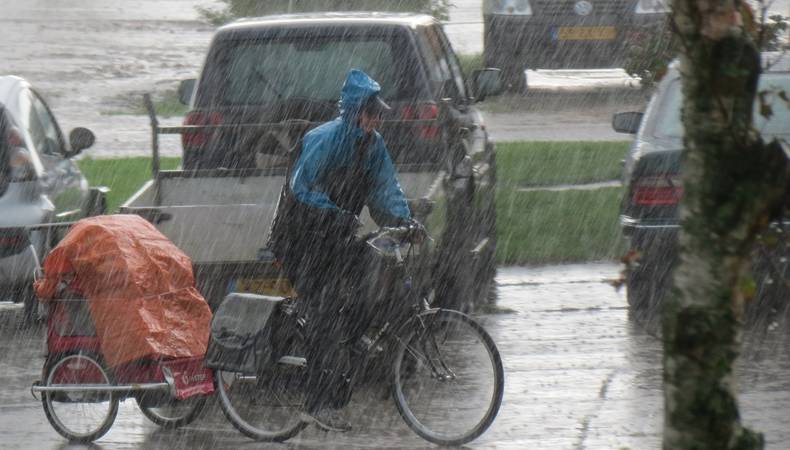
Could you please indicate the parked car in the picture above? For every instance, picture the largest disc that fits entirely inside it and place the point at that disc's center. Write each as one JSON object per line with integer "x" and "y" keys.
{"x": 266, "y": 81}
{"x": 39, "y": 181}
{"x": 653, "y": 188}
{"x": 566, "y": 34}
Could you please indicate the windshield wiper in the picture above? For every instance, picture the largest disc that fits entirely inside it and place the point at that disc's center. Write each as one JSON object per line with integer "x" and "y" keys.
{"x": 268, "y": 84}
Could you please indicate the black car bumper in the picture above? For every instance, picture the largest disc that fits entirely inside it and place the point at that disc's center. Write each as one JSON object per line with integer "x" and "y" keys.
{"x": 655, "y": 241}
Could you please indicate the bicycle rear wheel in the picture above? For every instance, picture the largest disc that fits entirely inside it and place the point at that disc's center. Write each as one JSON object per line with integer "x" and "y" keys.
{"x": 262, "y": 411}
{"x": 174, "y": 413}
{"x": 448, "y": 378}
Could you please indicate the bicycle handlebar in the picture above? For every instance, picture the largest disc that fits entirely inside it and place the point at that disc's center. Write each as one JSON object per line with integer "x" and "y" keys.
{"x": 413, "y": 233}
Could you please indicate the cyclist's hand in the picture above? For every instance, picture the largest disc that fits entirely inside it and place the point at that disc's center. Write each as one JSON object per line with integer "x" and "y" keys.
{"x": 417, "y": 232}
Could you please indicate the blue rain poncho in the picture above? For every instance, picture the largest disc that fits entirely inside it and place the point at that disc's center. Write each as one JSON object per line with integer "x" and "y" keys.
{"x": 327, "y": 157}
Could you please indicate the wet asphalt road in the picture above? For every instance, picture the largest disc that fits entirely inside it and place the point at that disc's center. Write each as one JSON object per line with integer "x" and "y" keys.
{"x": 579, "y": 375}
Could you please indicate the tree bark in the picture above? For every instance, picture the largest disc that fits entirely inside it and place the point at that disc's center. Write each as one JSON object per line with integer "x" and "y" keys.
{"x": 732, "y": 183}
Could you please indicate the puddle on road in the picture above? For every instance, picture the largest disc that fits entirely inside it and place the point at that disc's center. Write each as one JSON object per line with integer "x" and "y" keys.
{"x": 567, "y": 273}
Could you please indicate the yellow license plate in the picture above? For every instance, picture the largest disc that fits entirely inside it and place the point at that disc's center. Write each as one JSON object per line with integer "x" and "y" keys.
{"x": 279, "y": 287}
{"x": 586, "y": 33}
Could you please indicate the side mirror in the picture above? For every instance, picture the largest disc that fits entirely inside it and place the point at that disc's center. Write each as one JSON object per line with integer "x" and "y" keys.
{"x": 627, "y": 122}
{"x": 185, "y": 91}
{"x": 486, "y": 83}
{"x": 79, "y": 139}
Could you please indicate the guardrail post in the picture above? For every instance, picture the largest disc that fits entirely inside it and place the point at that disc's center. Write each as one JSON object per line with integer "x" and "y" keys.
{"x": 149, "y": 106}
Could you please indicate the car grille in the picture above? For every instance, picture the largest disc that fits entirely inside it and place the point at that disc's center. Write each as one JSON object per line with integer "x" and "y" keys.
{"x": 565, "y": 7}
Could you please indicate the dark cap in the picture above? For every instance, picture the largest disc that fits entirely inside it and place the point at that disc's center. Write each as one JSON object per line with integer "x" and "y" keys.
{"x": 374, "y": 105}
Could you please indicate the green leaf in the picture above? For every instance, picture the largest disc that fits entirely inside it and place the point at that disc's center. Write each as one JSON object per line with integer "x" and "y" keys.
{"x": 765, "y": 108}
{"x": 766, "y": 111}
{"x": 747, "y": 288}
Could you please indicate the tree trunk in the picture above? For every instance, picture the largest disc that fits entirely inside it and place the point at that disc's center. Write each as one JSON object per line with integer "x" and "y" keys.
{"x": 732, "y": 182}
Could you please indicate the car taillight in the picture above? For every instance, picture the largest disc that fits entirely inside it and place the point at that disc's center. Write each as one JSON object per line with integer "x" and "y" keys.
{"x": 199, "y": 137}
{"x": 657, "y": 191}
{"x": 11, "y": 241}
{"x": 423, "y": 111}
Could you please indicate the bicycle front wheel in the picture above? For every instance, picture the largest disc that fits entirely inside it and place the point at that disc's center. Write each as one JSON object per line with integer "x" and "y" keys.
{"x": 448, "y": 378}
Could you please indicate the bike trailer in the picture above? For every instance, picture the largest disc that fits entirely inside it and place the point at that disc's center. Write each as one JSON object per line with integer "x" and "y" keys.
{"x": 139, "y": 286}
{"x": 241, "y": 333}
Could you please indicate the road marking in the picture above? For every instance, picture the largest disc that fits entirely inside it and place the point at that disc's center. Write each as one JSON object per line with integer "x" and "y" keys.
{"x": 573, "y": 187}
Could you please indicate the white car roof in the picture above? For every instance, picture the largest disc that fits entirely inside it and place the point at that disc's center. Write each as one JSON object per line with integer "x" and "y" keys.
{"x": 10, "y": 85}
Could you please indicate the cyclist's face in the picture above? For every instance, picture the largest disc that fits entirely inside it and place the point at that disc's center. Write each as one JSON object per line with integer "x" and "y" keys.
{"x": 369, "y": 121}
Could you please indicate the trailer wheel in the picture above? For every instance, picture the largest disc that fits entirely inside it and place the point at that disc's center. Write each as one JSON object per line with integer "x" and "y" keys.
{"x": 79, "y": 416}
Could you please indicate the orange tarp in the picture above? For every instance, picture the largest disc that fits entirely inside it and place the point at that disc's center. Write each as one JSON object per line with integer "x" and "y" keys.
{"x": 139, "y": 285}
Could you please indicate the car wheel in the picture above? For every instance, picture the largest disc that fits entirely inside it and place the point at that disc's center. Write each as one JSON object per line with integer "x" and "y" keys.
{"x": 485, "y": 277}
{"x": 645, "y": 290}
{"x": 27, "y": 297}
{"x": 771, "y": 274}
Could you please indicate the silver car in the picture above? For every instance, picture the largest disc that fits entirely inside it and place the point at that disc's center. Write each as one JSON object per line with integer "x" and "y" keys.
{"x": 653, "y": 187}
{"x": 39, "y": 182}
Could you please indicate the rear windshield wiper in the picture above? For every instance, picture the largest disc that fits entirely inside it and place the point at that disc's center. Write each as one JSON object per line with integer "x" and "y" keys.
{"x": 268, "y": 84}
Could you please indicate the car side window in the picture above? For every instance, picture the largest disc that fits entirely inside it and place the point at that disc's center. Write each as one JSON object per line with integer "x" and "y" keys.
{"x": 43, "y": 129}
{"x": 454, "y": 65}
{"x": 438, "y": 65}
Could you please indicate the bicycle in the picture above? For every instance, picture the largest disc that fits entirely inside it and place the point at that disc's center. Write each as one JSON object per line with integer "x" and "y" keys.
{"x": 439, "y": 357}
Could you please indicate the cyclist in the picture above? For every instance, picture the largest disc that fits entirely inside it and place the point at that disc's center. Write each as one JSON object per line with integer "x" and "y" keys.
{"x": 342, "y": 166}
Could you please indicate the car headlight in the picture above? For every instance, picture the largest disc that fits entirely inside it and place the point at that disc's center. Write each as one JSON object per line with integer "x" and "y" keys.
{"x": 652, "y": 6}
{"x": 509, "y": 7}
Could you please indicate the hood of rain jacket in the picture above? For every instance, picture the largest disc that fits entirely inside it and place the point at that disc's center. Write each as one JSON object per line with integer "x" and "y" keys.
{"x": 330, "y": 149}
{"x": 357, "y": 88}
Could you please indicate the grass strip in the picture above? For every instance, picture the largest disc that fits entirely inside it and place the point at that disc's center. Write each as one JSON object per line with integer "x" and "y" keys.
{"x": 532, "y": 227}
{"x": 124, "y": 176}
{"x": 538, "y": 163}
{"x": 542, "y": 227}
{"x": 558, "y": 227}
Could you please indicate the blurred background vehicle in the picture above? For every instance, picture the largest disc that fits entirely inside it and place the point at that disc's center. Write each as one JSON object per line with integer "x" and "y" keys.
{"x": 653, "y": 187}
{"x": 566, "y": 34}
{"x": 39, "y": 182}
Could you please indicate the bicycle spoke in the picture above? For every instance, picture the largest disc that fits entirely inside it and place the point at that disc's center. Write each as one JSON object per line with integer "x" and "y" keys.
{"x": 439, "y": 356}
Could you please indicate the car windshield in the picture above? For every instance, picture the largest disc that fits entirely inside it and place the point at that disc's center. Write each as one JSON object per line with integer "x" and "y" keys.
{"x": 269, "y": 70}
{"x": 668, "y": 122}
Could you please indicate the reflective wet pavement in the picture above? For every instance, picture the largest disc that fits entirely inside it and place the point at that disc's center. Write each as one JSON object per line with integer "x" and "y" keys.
{"x": 579, "y": 375}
